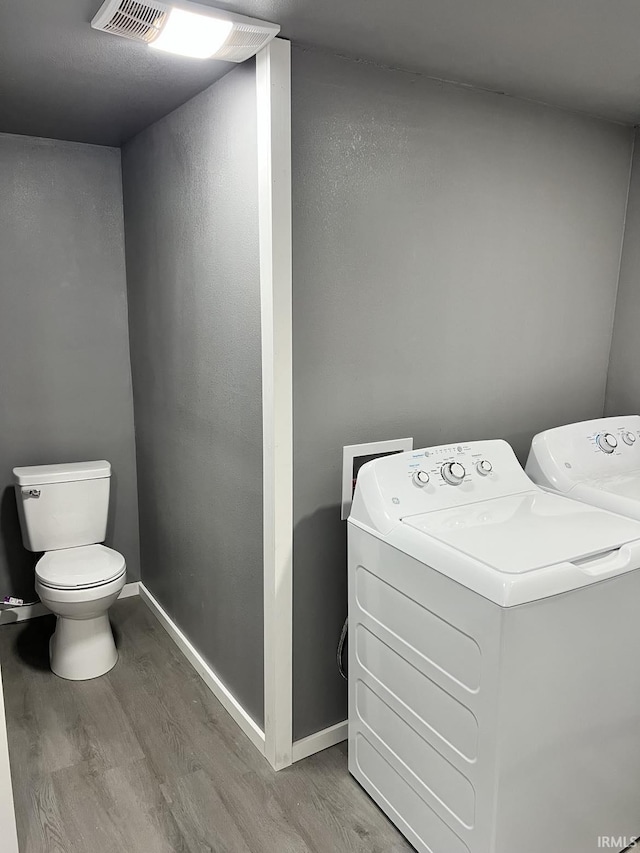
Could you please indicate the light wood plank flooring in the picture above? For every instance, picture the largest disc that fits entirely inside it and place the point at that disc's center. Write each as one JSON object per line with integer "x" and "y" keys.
{"x": 145, "y": 760}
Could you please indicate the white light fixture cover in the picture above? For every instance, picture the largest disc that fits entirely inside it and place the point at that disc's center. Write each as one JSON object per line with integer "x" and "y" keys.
{"x": 188, "y": 29}
{"x": 191, "y": 34}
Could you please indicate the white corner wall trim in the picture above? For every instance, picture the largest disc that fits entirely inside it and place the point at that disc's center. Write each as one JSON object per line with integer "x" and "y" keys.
{"x": 219, "y": 690}
{"x": 32, "y": 611}
{"x": 130, "y": 589}
{"x": 273, "y": 95}
{"x": 318, "y": 741}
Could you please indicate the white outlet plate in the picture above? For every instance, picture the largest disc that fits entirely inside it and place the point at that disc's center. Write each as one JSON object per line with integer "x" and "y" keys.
{"x": 352, "y": 461}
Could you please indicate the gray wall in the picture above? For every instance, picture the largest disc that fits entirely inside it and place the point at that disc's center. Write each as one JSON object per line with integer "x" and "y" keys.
{"x": 191, "y": 220}
{"x": 623, "y": 385}
{"x": 65, "y": 380}
{"x": 455, "y": 267}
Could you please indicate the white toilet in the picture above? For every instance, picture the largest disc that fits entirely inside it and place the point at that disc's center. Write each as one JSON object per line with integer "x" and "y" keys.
{"x": 63, "y": 512}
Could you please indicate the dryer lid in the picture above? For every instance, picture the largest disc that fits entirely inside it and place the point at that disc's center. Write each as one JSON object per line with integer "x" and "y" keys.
{"x": 521, "y": 533}
{"x": 74, "y": 568}
{"x": 625, "y": 485}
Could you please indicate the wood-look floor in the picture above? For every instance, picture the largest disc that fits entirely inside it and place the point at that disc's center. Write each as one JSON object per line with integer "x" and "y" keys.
{"x": 145, "y": 760}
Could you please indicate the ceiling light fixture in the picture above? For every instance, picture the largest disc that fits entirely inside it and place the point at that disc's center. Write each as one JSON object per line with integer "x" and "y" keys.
{"x": 187, "y": 29}
{"x": 190, "y": 34}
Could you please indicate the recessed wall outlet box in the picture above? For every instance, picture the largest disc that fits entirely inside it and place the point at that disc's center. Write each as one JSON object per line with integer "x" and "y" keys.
{"x": 354, "y": 457}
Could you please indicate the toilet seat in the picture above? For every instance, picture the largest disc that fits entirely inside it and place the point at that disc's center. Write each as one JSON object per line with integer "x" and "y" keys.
{"x": 80, "y": 568}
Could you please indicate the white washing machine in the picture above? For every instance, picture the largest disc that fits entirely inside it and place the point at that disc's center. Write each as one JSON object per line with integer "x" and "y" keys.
{"x": 494, "y": 685}
{"x": 597, "y": 462}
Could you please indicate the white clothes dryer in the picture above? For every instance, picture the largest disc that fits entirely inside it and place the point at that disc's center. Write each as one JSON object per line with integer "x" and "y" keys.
{"x": 596, "y": 461}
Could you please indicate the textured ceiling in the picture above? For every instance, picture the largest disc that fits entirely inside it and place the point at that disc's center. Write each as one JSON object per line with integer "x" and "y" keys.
{"x": 61, "y": 79}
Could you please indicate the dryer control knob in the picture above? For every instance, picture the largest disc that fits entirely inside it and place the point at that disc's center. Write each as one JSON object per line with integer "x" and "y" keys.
{"x": 453, "y": 473}
{"x": 484, "y": 467}
{"x": 420, "y": 478}
{"x": 628, "y": 437}
{"x": 607, "y": 442}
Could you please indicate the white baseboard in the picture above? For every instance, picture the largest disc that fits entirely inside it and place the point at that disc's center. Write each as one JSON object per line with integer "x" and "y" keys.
{"x": 318, "y": 741}
{"x": 222, "y": 694}
{"x": 32, "y": 611}
{"x": 21, "y": 614}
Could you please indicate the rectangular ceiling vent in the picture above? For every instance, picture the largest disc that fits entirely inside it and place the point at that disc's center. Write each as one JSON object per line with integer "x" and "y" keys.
{"x": 243, "y": 41}
{"x": 131, "y": 19}
{"x": 187, "y": 28}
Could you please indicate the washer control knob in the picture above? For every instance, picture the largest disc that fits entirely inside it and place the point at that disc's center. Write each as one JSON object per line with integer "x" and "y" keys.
{"x": 453, "y": 473}
{"x": 420, "y": 478}
{"x": 628, "y": 438}
{"x": 607, "y": 442}
{"x": 484, "y": 467}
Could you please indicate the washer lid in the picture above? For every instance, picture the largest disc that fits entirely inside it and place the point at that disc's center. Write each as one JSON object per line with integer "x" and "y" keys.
{"x": 89, "y": 565}
{"x": 522, "y": 533}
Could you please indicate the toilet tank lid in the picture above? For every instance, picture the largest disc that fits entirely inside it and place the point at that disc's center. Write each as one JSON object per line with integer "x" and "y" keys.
{"x": 40, "y": 475}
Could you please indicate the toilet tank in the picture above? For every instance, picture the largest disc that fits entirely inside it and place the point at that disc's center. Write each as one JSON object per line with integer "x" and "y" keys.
{"x": 63, "y": 506}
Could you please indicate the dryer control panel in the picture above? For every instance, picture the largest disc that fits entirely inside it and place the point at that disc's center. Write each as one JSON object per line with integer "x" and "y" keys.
{"x": 591, "y": 450}
{"x": 435, "y": 478}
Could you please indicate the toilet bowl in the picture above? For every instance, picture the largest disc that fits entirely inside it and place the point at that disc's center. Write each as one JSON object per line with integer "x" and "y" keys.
{"x": 79, "y": 585}
{"x": 63, "y": 511}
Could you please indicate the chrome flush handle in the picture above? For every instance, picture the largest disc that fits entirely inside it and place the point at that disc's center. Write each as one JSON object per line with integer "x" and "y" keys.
{"x": 30, "y": 493}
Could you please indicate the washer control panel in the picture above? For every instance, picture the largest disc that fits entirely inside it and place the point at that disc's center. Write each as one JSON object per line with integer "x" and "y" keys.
{"x": 451, "y": 471}
{"x": 435, "y": 478}
{"x": 447, "y": 465}
{"x": 590, "y": 450}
